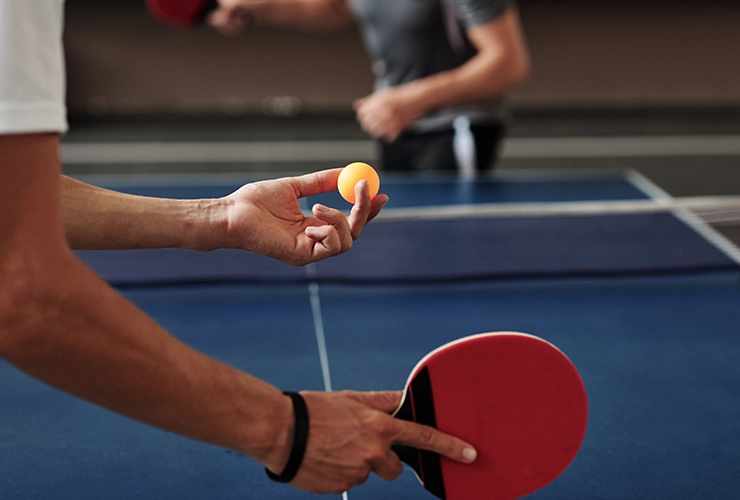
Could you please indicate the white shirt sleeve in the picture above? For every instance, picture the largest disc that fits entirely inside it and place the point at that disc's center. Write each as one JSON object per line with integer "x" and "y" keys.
{"x": 32, "y": 74}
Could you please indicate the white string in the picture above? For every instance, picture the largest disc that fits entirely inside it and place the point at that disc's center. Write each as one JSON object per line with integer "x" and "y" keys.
{"x": 683, "y": 210}
{"x": 464, "y": 147}
{"x": 730, "y": 205}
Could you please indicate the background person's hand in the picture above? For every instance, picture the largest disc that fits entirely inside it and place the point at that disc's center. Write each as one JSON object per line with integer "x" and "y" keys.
{"x": 231, "y": 17}
{"x": 386, "y": 113}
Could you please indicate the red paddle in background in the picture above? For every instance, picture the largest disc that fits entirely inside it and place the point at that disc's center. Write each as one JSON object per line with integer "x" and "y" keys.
{"x": 515, "y": 397}
{"x": 185, "y": 13}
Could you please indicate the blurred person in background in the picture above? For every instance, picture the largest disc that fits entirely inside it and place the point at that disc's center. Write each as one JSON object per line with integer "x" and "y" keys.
{"x": 442, "y": 69}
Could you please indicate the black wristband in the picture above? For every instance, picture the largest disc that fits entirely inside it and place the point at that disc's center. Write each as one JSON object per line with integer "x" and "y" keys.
{"x": 300, "y": 439}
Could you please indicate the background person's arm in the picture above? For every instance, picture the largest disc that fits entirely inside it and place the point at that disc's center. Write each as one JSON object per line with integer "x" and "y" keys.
{"x": 233, "y": 16}
{"x": 502, "y": 63}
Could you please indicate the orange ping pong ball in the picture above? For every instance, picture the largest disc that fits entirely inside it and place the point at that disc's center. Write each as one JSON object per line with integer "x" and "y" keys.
{"x": 354, "y": 173}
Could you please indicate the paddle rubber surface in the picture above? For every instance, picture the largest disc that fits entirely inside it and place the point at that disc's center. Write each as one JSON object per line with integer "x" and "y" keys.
{"x": 515, "y": 397}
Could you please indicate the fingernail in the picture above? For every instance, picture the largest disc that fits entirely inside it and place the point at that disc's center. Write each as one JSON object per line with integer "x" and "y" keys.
{"x": 469, "y": 454}
{"x": 320, "y": 208}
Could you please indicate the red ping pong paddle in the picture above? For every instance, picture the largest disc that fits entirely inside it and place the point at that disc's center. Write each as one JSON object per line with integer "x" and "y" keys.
{"x": 515, "y": 397}
{"x": 186, "y": 13}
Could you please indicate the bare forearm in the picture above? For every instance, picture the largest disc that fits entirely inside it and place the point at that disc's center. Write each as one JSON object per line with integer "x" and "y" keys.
{"x": 502, "y": 63}
{"x": 302, "y": 14}
{"x": 96, "y": 218}
{"x": 74, "y": 332}
{"x": 481, "y": 78}
{"x": 63, "y": 325}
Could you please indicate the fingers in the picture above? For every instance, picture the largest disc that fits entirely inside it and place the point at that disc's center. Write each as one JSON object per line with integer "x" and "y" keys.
{"x": 360, "y": 212}
{"x": 385, "y": 401}
{"x": 412, "y": 434}
{"x": 315, "y": 183}
{"x": 353, "y": 435}
{"x": 326, "y": 241}
{"x": 389, "y": 468}
{"x": 365, "y": 209}
{"x": 376, "y": 205}
{"x": 325, "y": 181}
{"x": 230, "y": 20}
{"x": 379, "y": 117}
{"x": 333, "y": 238}
{"x": 338, "y": 221}
{"x": 428, "y": 438}
{"x": 382, "y": 129}
{"x": 338, "y": 232}
{"x": 348, "y": 228}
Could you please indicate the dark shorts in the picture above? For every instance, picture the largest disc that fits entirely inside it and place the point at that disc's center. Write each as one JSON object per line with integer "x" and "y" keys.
{"x": 433, "y": 151}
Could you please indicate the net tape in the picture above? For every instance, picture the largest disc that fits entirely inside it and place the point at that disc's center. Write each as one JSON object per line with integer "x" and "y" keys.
{"x": 723, "y": 210}
{"x": 478, "y": 242}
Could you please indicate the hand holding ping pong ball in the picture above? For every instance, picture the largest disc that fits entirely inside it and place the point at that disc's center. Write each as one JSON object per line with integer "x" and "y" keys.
{"x": 354, "y": 173}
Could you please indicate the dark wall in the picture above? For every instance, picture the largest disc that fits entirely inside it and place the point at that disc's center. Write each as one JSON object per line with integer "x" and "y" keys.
{"x": 604, "y": 53}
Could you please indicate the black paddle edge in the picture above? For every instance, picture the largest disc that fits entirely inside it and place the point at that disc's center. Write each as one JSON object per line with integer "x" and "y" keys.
{"x": 418, "y": 406}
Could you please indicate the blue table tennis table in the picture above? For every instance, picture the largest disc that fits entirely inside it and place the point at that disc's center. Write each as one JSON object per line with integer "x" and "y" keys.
{"x": 646, "y": 305}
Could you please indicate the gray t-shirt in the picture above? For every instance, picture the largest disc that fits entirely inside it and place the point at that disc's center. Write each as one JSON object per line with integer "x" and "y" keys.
{"x": 411, "y": 39}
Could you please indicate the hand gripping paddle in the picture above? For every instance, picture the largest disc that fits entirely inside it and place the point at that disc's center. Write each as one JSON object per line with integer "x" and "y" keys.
{"x": 515, "y": 397}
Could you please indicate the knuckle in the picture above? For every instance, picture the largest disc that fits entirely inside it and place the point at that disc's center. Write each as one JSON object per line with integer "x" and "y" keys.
{"x": 381, "y": 425}
{"x": 427, "y": 435}
{"x": 394, "y": 472}
{"x": 375, "y": 456}
{"x": 332, "y": 242}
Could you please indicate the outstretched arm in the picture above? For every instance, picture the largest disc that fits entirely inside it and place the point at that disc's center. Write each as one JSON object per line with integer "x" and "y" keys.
{"x": 263, "y": 217}
{"x": 502, "y": 63}
{"x": 233, "y": 16}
